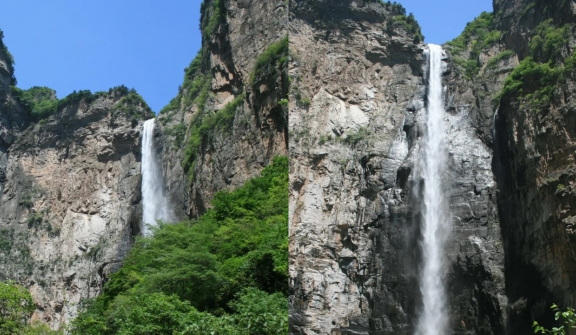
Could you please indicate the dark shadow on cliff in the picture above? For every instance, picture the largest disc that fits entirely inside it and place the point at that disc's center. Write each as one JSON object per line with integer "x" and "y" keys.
{"x": 527, "y": 296}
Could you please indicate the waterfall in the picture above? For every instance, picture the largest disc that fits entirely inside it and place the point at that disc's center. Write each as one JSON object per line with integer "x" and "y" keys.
{"x": 154, "y": 203}
{"x": 433, "y": 319}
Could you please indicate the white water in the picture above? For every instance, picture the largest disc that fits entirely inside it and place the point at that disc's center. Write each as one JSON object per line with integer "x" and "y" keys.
{"x": 154, "y": 203}
{"x": 435, "y": 220}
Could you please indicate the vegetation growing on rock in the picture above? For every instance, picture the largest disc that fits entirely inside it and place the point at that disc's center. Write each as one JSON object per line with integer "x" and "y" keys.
{"x": 178, "y": 131}
{"x": 226, "y": 273}
{"x": 209, "y": 22}
{"x": 269, "y": 63}
{"x": 536, "y": 78}
{"x": 16, "y": 307}
{"x": 41, "y": 102}
{"x": 196, "y": 87}
{"x": 409, "y": 23}
{"x": 499, "y": 57}
{"x": 9, "y": 58}
{"x": 477, "y": 37}
{"x": 406, "y": 22}
{"x": 549, "y": 42}
{"x": 400, "y": 19}
{"x": 132, "y": 103}
{"x": 204, "y": 126}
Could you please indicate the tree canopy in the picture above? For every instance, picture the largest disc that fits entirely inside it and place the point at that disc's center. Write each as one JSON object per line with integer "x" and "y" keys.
{"x": 225, "y": 273}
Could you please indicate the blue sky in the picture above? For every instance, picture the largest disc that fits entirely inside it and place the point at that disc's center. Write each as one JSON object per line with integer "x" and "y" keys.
{"x": 74, "y": 45}
{"x": 443, "y": 20}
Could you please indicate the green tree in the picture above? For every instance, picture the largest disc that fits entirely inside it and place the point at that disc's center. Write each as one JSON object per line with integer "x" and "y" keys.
{"x": 258, "y": 312}
{"x": 16, "y": 307}
{"x": 147, "y": 314}
{"x": 225, "y": 273}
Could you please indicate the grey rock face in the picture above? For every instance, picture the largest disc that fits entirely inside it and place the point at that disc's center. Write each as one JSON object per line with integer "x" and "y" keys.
{"x": 259, "y": 131}
{"x": 532, "y": 165}
{"x": 70, "y": 204}
{"x": 354, "y": 223}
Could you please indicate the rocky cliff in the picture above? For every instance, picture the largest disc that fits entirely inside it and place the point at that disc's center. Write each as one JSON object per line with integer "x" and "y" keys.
{"x": 70, "y": 169}
{"x": 356, "y": 121}
{"x": 229, "y": 118}
{"x": 519, "y": 77}
{"x": 69, "y": 206}
{"x": 69, "y": 192}
{"x": 358, "y": 97}
{"x": 534, "y": 158}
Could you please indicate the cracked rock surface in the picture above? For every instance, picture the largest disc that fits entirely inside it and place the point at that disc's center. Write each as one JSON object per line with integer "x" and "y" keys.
{"x": 358, "y": 100}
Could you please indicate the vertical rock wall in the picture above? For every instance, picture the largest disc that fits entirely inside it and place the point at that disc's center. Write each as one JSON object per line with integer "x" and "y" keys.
{"x": 356, "y": 119}
{"x": 534, "y": 163}
{"x": 259, "y": 130}
{"x": 69, "y": 205}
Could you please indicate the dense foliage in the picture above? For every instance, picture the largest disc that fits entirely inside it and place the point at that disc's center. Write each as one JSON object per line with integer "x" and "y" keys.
{"x": 549, "y": 41}
{"x": 477, "y": 37}
{"x": 16, "y": 306}
{"x": 132, "y": 103}
{"x": 534, "y": 81}
{"x": 226, "y": 273}
{"x": 39, "y": 101}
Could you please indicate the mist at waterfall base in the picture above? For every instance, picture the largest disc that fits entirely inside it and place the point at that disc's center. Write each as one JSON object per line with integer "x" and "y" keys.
{"x": 435, "y": 221}
{"x": 155, "y": 206}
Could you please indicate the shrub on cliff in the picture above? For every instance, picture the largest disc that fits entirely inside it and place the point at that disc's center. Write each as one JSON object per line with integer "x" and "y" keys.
{"x": 549, "y": 41}
{"x": 209, "y": 22}
{"x": 16, "y": 307}
{"x": 536, "y": 78}
{"x": 194, "y": 90}
{"x": 400, "y": 19}
{"x": 271, "y": 61}
{"x": 205, "y": 126}
{"x": 39, "y": 101}
{"x": 134, "y": 105}
{"x": 477, "y": 37}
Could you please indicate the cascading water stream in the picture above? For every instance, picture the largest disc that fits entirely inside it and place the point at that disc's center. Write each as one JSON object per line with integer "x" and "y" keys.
{"x": 154, "y": 203}
{"x": 433, "y": 319}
